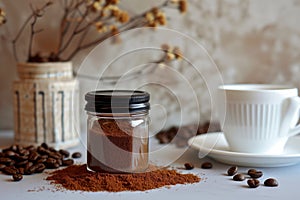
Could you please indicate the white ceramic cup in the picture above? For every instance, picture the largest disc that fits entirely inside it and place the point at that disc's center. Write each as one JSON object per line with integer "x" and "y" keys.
{"x": 259, "y": 118}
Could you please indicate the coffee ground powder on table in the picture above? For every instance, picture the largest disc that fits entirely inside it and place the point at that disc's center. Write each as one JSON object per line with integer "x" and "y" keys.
{"x": 77, "y": 177}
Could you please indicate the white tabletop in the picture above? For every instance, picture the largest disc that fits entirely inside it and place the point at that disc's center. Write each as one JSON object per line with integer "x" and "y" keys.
{"x": 214, "y": 183}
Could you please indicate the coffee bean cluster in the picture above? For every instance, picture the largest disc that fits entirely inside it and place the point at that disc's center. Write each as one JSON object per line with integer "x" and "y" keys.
{"x": 252, "y": 175}
{"x": 18, "y": 160}
{"x": 184, "y": 133}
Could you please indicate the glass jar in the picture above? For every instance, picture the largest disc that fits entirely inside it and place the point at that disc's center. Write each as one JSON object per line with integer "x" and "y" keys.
{"x": 118, "y": 133}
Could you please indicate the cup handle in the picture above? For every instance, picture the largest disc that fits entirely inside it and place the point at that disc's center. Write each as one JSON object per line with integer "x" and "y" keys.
{"x": 293, "y": 110}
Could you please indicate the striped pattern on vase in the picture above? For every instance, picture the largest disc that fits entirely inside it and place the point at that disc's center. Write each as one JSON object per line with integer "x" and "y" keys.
{"x": 46, "y": 108}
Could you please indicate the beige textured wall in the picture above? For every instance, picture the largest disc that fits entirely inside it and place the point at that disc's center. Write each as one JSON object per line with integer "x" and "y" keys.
{"x": 256, "y": 41}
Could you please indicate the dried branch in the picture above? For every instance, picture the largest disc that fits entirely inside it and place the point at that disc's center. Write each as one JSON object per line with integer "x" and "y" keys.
{"x": 170, "y": 55}
{"x": 64, "y": 25}
{"x": 74, "y": 33}
{"x": 80, "y": 16}
{"x": 83, "y": 36}
{"x": 14, "y": 41}
{"x": 32, "y": 33}
{"x": 34, "y": 15}
{"x": 136, "y": 22}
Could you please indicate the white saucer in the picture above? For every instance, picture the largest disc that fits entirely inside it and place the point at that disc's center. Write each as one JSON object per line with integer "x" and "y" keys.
{"x": 215, "y": 146}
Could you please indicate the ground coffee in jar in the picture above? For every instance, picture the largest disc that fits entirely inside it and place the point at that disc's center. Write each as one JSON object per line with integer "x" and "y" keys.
{"x": 117, "y": 140}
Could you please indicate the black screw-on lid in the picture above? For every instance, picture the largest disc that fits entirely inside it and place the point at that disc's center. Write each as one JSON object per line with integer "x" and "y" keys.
{"x": 117, "y": 101}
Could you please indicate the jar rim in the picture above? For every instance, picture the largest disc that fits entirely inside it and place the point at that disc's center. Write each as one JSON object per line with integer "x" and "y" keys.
{"x": 117, "y": 101}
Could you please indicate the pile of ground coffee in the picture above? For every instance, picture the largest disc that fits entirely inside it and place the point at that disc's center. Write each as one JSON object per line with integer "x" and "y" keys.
{"x": 77, "y": 177}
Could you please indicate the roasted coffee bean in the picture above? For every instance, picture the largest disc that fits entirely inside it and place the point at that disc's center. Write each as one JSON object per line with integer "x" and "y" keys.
{"x": 27, "y": 172}
{"x": 43, "y": 151}
{"x": 41, "y": 160}
{"x": 65, "y": 153}
{"x": 30, "y": 148}
{"x": 10, "y": 153}
{"x": 50, "y": 161}
{"x": 56, "y": 165}
{"x": 12, "y": 163}
{"x": 24, "y": 152}
{"x": 20, "y": 158}
{"x": 21, "y": 170}
{"x": 22, "y": 163}
{"x": 2, "y": 154}
{"x": 60, "y": 162}
{"x": 255, "y": 174}
{"x": 5, "y": 160}
{"x": 53, "y": 166}
{"x": 271, "y": 182}
{"x": 55, "y": 155}
{"x": 52, "y": 149}
{"x": 19, "y": 148}
{"x": 76, "y": 155}
{"x": 33, "y": 168}
{"x": 239, "y": 177}
{"x": 232, "y": 170}
{"x": 44, "y": 156}
{"x": 17, "y": 177}
{"x": 40, "y": 150}
{"x": 27, "y": 167}
{"x": 33, "y": 156}
{"x": 14, "y": 147}
{"x": 30, "y": 170}
{"x": 67, "y": 162}
{"x": 5, "y": 149}
{"x": 2, "y": 166}
{"x": 253, "y": 183}
{"x": 251, "y": 171}
{"x": 10, "y": 170}
{"x": 206, "y": 165}
{"x": 40, "y": 167}
{"x": 188, "y": 166}
{"x": 44, "y": 145}
{"x": 163, "y": 139}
